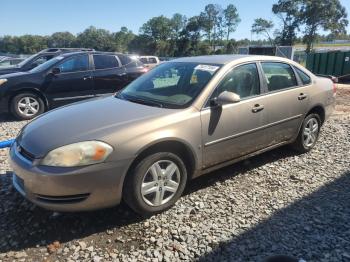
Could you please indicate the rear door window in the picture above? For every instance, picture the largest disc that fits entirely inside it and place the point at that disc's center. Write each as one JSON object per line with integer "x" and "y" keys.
{"x": 305, "y": 79}
{"x": 105, "y": 61}
{"x": 278, "y": 76}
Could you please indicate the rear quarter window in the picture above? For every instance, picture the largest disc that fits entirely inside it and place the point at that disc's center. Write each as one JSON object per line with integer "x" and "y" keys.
{"x": 124, "y": 59}
{"x": 305, "y": 78}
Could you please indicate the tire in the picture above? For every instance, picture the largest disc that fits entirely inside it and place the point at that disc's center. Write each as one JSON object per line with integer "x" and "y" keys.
{"x": 302, "y": 144}
{"x": 158, "y": 198}
{"x": 27, "y": 102}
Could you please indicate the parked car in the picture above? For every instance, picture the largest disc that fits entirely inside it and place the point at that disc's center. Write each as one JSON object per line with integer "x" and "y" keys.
{"x": 64, "y": 79}
{"x": 38, "y": 59}
{"x": 180, "y": 120}
{"x": 3, "y": 58}
{"x": 8, "y": 62}
{"x": 150, "y": 61}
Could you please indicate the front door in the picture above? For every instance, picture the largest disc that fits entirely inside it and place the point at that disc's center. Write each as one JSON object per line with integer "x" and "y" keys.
{"x": 234, "y": 130}
{"x": 73, "y": 83}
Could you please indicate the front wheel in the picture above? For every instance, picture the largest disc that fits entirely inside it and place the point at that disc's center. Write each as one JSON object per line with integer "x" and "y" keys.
{"x": 155, "y": 184}
{"x": 308, "y": 133}
{"x": 26, "y": 106}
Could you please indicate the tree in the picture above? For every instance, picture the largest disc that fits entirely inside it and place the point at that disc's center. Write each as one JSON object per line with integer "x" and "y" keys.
{"x": 99, "y": 39}
{"x": 262, "y": 26}
{"x": 208, "y": 21}
{"x": 232, "y": 20}
{"x": 30, "y": 44}
{"x": 328, "y": 15}
{"x": 123, "y": 38}
{"x": 61, "y": 39}
{"x": 142, "y": 44}
{"x": 178, "y": 23}
{"x": 159, "y": 28}
{"x": 188, "y": 44}
{"x": 288, "y": 12}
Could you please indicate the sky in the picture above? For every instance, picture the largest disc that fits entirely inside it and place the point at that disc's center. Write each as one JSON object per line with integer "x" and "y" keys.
{"x": 42, "y": 17}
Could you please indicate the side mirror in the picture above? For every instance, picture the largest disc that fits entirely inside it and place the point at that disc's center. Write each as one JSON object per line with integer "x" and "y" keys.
{"x": 55, "y": 71}
{"x": 226, "y": 98}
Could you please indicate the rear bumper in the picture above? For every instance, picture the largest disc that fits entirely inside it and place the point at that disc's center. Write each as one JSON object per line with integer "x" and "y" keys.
{"x": 330, "y": 107}
{"x": 68, "y": 189}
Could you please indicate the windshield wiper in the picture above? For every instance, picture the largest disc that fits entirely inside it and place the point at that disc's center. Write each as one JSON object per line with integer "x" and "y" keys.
{"x": 140, "y": 101}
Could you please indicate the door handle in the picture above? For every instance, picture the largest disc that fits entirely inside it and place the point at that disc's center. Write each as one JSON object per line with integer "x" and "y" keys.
{"x": 87, "y": 77}
{"x": 302, "y": 96}
{"x": 122, "y": 74}
{"x": 257, "y": 108}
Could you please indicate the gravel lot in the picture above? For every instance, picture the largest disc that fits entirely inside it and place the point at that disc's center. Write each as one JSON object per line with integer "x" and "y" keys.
{"x": 275, "y": 203}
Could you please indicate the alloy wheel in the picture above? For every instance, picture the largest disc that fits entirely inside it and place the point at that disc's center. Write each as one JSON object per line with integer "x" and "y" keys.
{"x": 310, "y": 132}
{"x": 28, "y": 106}
{"x": 160, "y": 183}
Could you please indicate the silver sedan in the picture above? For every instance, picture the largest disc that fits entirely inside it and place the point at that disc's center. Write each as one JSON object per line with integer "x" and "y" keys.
{"x": 182, "y": 119}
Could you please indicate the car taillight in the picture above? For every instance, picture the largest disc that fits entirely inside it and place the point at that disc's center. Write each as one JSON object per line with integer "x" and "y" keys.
{"x": 144, "y": 70}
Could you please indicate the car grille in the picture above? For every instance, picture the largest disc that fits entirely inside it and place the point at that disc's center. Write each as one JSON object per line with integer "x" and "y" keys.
{"x": 62, "y": 199}
{"x": 27, "y": 155}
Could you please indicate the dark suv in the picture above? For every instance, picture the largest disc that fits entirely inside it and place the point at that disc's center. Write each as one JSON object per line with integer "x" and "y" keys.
{"x": 64, "y": 79}
{"x": 38, "y": 59}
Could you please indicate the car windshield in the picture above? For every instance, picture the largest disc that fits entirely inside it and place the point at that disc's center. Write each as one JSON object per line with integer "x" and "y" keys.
{"x": 46, "y": 65}
{"x": 170, "y": 85}
{"x": 26, "y": 61}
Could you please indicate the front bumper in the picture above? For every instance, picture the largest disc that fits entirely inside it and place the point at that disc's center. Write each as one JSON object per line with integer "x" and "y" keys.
{"x": 3, "y": 104}
{"x": 68, "y": 189}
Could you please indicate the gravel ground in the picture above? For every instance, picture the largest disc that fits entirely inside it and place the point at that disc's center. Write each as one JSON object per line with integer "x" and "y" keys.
{"x": 275, "y": 203}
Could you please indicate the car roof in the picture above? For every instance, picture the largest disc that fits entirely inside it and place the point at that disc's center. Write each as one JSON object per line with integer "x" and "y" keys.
{"x": 225, "y": 59}
{"x": 90, "y": 52}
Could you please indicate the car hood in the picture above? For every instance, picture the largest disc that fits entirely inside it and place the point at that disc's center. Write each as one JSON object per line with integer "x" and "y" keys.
{"x": 8, "y": 70}
{"x": 90, "y": 120}
{"x": 13, "y": 75}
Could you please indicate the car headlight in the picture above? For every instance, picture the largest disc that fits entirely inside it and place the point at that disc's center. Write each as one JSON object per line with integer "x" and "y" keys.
{"x": 78, "y": 154}
{"x": 3, "y": 81}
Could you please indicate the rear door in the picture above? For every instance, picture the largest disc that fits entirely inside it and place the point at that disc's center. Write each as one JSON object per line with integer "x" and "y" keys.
{"x": 286, "y": 100}
{"x": 109, "y": 75}
{"x": 73, "y": 83}
{"x": 133, "y": 67}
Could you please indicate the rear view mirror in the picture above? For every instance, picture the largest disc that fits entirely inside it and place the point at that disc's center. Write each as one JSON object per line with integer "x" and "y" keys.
{"x": 56, "y": 71}
{"x": 226, "y": 98}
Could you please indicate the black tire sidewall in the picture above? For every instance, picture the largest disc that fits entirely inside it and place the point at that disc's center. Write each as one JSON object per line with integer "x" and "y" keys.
{"x": 132, "y": 190}
{"x": 14, "y": 109}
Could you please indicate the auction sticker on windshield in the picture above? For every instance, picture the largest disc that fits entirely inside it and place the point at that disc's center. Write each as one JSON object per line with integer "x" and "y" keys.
{"x": 209, "y": 68}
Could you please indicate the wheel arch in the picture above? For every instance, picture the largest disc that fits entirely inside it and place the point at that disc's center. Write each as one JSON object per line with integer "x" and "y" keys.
{"x": 173, "y": 145}
{"x": 319, "y": 110}
{"x": 29, "y": 90}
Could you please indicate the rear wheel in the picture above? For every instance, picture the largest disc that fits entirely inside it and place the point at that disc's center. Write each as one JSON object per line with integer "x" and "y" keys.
{"x": 308, "y": 133}
{"x": 27, "y": 106}
{"x": 155, "y": 184}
